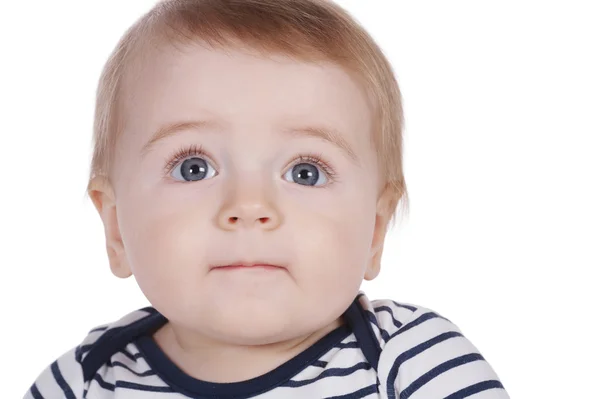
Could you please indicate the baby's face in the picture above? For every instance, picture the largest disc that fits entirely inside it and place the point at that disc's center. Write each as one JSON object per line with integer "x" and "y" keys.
{"x": 253, "y": 194}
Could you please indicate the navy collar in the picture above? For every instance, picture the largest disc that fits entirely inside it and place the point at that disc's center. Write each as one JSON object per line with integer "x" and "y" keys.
{"x": 193, "y": 387}
{"x": 355, "y": 322}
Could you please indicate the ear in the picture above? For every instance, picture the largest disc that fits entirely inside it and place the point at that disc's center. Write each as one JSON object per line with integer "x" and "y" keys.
{"x": 383, "y": 215}
{"x": 103, "y": 197}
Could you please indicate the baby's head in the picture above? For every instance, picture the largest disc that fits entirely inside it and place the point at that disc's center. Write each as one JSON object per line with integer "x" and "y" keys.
{"x": 263, "y": 131}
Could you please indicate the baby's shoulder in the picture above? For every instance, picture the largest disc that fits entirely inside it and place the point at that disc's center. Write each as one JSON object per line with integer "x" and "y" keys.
{"x": 421, "y": 350}
{"x": 391, "y": 318}
{"x": 72, "y": 372}
{"x": 102, "y": 334}
{"x": 105, "y": 340}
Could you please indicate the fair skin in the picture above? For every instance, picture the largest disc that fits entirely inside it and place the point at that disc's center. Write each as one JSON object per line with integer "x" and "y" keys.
{"x": 249, "y": 203}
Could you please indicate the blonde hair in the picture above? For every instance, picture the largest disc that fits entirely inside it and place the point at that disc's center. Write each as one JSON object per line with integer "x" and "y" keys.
{"x": 308, "y": 30}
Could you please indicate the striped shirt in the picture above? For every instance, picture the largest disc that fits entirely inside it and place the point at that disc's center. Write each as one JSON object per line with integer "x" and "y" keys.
{"x": 385, "y": 350}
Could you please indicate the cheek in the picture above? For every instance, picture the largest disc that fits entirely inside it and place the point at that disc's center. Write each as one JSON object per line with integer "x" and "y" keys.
{"x": 165, "y": 245}
{"x": 335, "y": 244}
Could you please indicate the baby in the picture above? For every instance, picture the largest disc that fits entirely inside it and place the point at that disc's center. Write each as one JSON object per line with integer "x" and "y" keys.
{"x": 246, "y": 168}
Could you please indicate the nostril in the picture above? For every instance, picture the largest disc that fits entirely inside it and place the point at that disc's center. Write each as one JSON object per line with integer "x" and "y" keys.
{"x": 234, "y": 219}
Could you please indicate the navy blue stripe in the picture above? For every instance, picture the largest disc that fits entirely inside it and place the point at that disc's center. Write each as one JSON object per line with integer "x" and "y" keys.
{"x": 103, "y": 384}
{"x": 361, "y": 393}
{"x": 423, "y": 318}
{"x": 434, "y": 372}
{"x": 320, "y": 363}
{"x": 130, "y": 355}
{"x": 475, "y": 388}
{"x": 405, "y": 306}
{"x": 144, "y": 374}
{"x": 332, "y": 372}
{"x": 35, "y": 392}
{"x": 98, "y": 329}
{"x": 409, "y": 354}
{"x": 140, "y": 387}
{"x": 391, "y": 312}
{"x": 61, "y": 381}
{"x": 344, "y": 345}
{"x": 130, "y": 385}
{"x": 373, "y": 319}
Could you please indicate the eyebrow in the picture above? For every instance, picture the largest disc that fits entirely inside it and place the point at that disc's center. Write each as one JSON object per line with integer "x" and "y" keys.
{"x": 328, "y": 134}
{"x": 173, "y": 128}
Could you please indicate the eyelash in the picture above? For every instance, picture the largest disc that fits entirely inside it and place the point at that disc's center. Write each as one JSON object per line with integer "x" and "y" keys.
{"x": 183, "y": 153}
{"x": 317, "y": 159}
{"x": 197, "y": 150}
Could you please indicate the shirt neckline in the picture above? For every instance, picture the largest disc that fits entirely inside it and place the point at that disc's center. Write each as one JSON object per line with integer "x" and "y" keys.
{"x": 179, "y": 380}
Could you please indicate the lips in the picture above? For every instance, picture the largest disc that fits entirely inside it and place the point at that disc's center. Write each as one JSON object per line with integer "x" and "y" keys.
{"x": 248, "y": 265}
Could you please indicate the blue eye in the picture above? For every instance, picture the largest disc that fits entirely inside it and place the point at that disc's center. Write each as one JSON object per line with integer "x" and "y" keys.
{"x": 193, "y": 169}
{"x": 190, "y": 164}
{"x": 306, "y": 174}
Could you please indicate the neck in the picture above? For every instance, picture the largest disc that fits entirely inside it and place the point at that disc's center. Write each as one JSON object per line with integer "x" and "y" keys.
{"x": 221, "y": 362}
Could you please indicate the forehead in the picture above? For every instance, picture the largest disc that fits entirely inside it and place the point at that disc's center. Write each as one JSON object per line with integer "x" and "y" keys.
{"x": 247, "y": 91}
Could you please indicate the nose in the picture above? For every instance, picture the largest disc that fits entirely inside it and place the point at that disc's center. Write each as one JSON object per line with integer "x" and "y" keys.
{"x": 249, "y": 208}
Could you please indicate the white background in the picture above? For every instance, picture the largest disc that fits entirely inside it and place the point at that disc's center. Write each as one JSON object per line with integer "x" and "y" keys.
{"x": 502, "y": 164}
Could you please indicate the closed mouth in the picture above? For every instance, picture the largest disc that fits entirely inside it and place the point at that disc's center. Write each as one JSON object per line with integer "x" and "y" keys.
{"x": 241, "y": 266}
